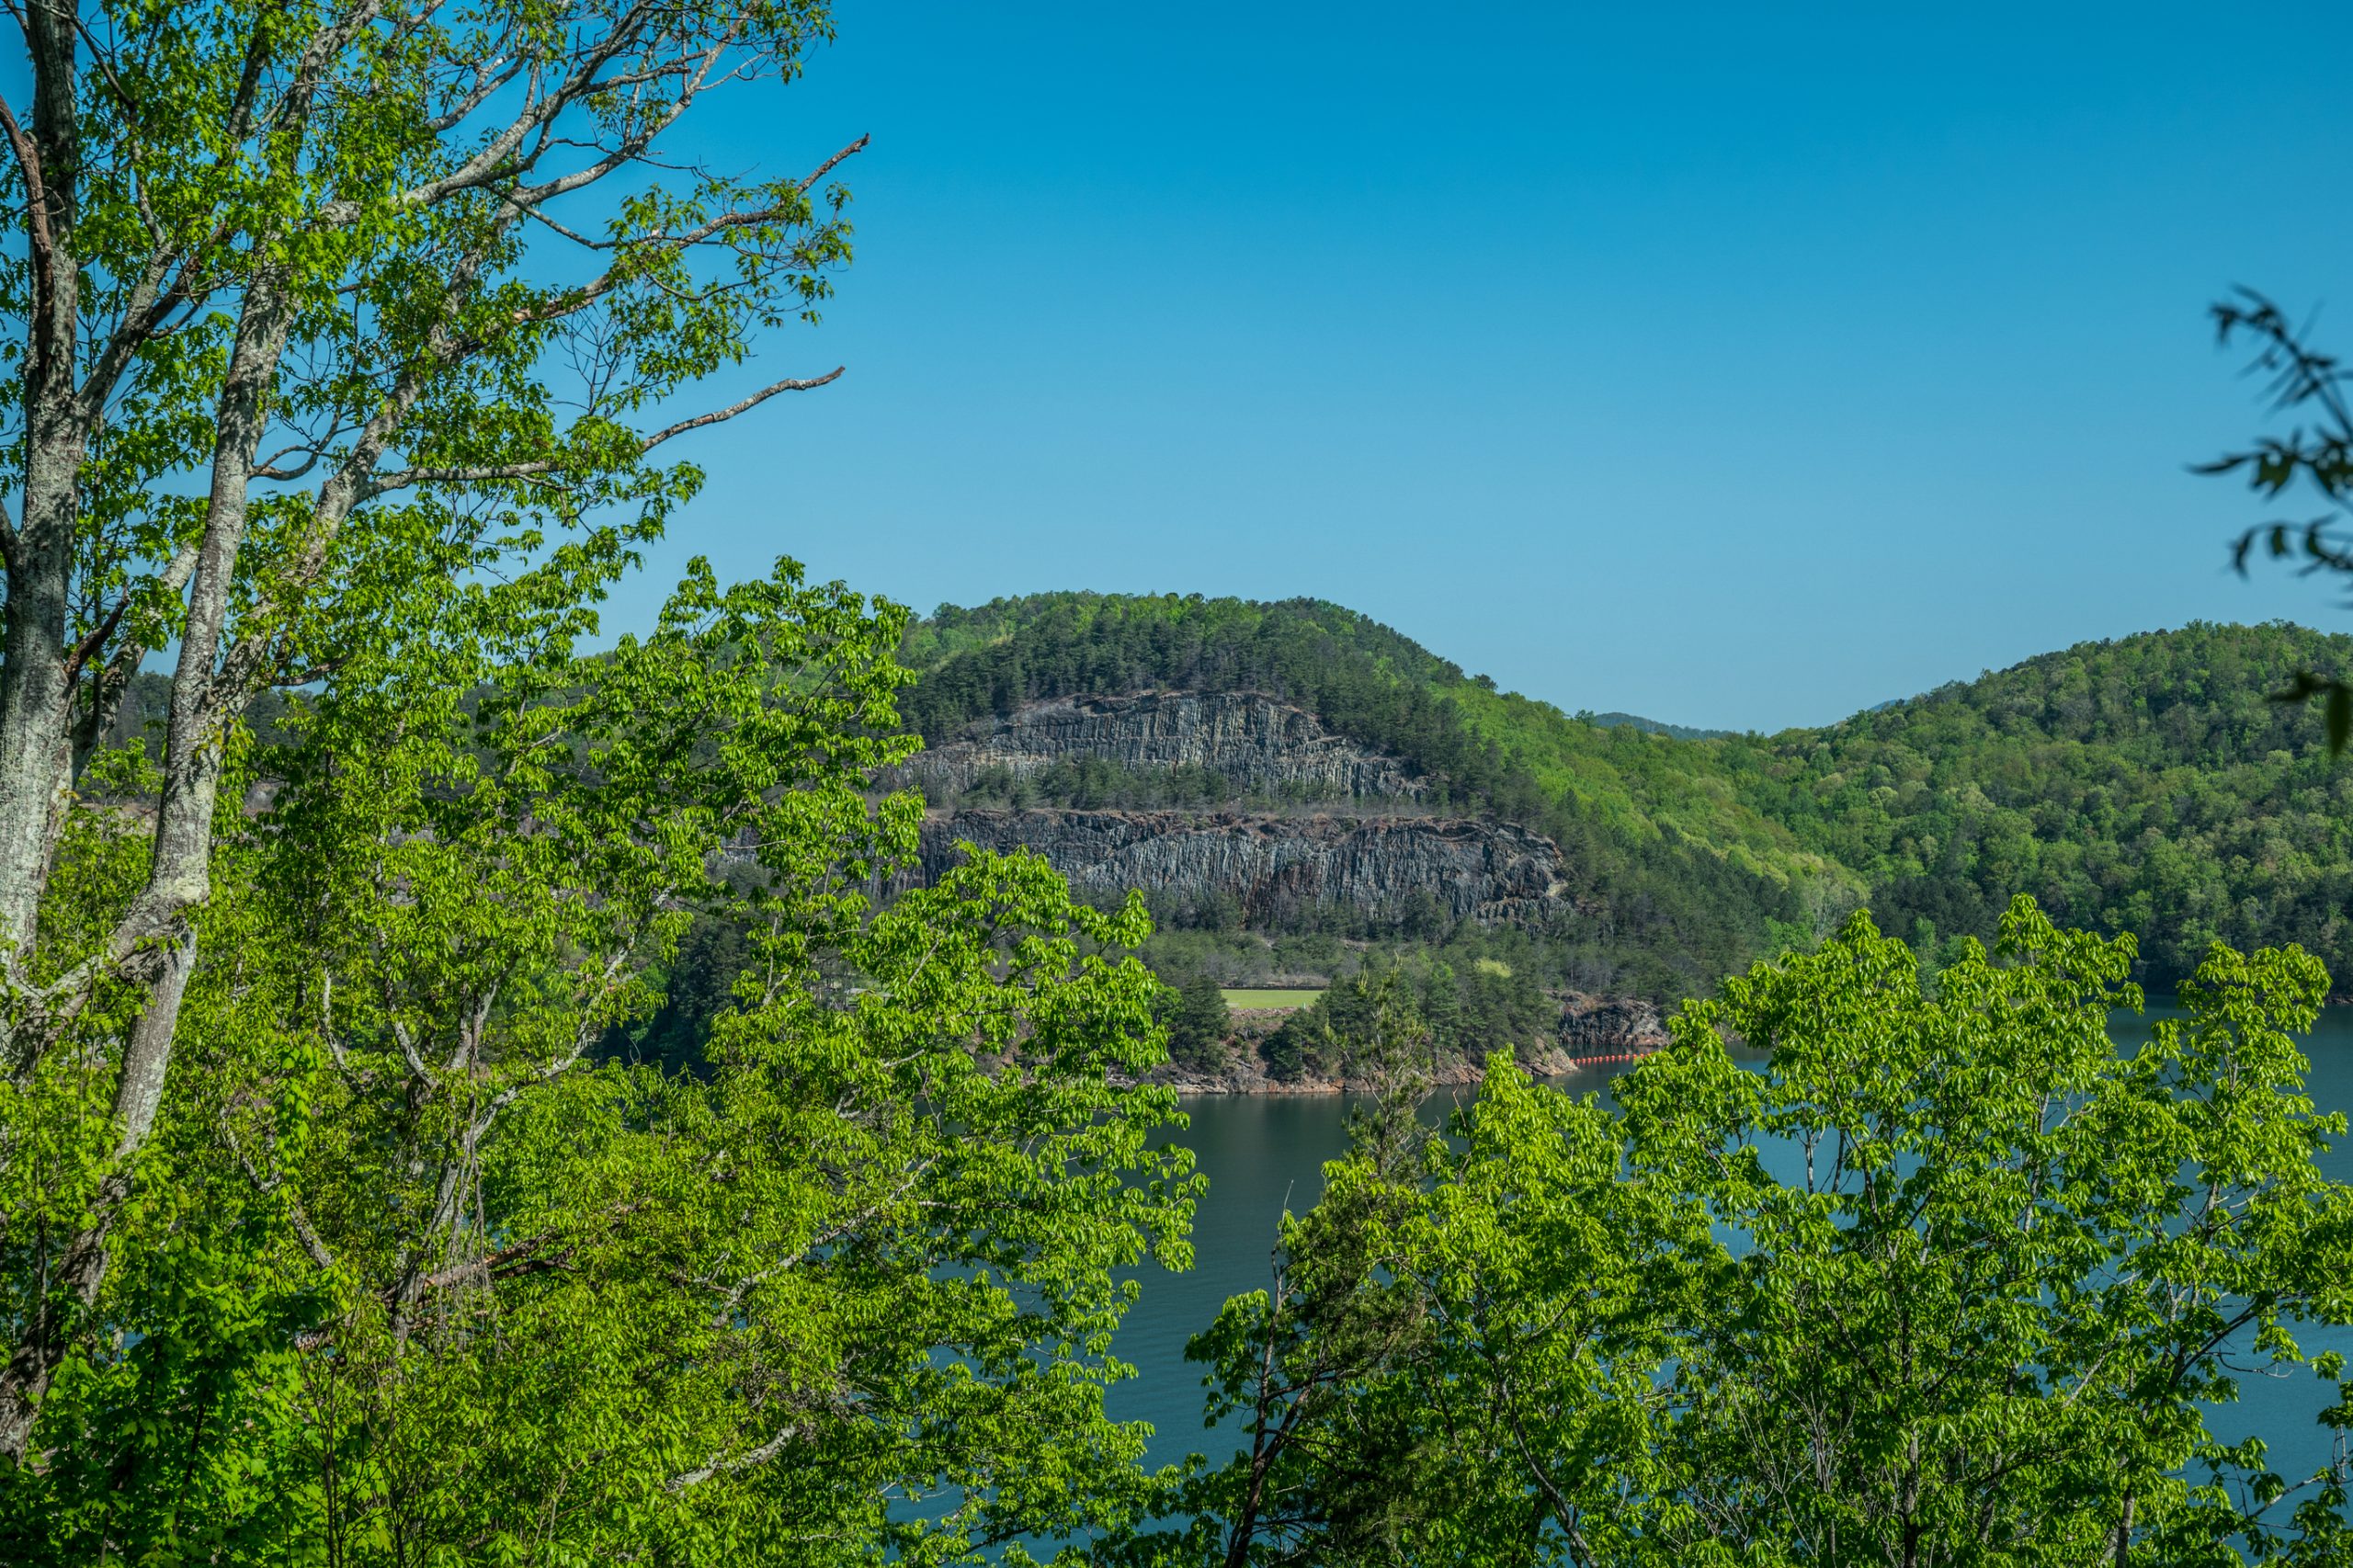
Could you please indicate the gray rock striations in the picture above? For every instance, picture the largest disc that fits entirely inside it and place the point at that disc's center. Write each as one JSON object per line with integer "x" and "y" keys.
{"x": 1369, "y": 848}
{"x": 1600, "y": 1024}
{"x": 1262, "y": 745}
{"x": 1377, "y": 858}
{"x": 1280, "y": 869}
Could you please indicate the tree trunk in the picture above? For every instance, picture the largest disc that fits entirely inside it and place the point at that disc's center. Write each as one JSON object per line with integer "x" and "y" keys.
{"x": 33, "y": 697}
{"x": 36, "y": 759}
{"x": 34, "y": 690}
{"x": 179, "y": 873}
{"x": 82, "y": 1270}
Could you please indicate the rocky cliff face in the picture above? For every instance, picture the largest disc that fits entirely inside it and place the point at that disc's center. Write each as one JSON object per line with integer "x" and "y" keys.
{"x": 1277, "y": 868}
{"x": 1263, "y": 747}
{"x": 1602, "y": 1025}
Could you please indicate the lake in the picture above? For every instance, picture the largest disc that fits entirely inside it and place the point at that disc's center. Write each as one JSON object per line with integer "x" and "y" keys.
{"x": 1262, "y": 1151}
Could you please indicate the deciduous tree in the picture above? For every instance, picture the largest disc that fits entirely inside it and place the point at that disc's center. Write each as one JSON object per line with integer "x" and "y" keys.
{"x": 356, "y": 340}
{"x": 313, "y": 301}
{"x": 1950, "y": 1278}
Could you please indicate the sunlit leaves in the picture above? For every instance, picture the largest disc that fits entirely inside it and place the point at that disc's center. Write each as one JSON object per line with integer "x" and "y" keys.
{"x": 416, "y": 1261}
{"x": 1948, "y": 1278}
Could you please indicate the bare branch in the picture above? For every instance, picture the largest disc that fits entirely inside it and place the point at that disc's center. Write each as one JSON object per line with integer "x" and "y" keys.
{"x": 746, "y": 1460}
{"x": 489, "y": 77}
{"x": 497, "y": 160}
{"x": 720, "y": 415}
{"x": 128, "y": 104}
{"x": 114, "y": 678}
{"x": 346, "y": 487}
{"x": 408, "y": 1048}
{"x": 831, "y": 163}
{"x": 303, "y": 1231}
{"x": 36, "y": 193}
{"x": 528, "y": 1256}
{"x": 94, "y": 640}
{"x": 401, "y": 479}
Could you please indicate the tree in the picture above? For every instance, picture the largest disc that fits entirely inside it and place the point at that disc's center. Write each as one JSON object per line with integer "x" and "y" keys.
{"x": 328, "y": 311}
{"x": 1457, "y": 1361}
{"x": 1202, "y": 1022}
{"x": 1293, "y": 1360}
{"x": 406, "y": 1272}
{"x": 1979, "y": 1275}
{"x": 1442, "y": 1008}
{"x": 1951, "y": 1280}
{"x": 697, "y": 985}
{"x": 354, "y": 336}
{"x": 1369, "y": 1028}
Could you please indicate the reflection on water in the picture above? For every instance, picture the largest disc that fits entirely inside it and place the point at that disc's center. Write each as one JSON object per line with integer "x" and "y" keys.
{"x": 1259, "y": 1151}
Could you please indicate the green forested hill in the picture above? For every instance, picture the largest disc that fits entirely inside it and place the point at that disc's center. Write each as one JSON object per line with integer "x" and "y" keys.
{"x": 2146, "y": 784}
{"x": 1692, "y": 879}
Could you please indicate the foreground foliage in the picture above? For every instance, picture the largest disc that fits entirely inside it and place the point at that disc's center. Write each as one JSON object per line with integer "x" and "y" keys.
{"x": 352, "y": 339}
{"x": 1949, "y": 1280}
{"x": 406, "y": 1277}
{"x": 329, "y": 319}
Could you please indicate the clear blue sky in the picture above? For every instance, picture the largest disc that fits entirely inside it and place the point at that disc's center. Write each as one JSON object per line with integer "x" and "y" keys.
{"x": 1739, "y": 366}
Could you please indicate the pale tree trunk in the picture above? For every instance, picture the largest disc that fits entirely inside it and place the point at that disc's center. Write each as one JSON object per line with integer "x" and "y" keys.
{"x": 35, "y": 680}
{"x": 81, "y": 1268}
{"x": 33, "y": 712}
{"x": 179, "y": 875}
{"x": 38, "y": 675}
{"x": 59, "y": 679}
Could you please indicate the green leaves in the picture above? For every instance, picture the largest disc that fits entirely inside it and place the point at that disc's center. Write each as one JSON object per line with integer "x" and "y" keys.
{"x": 2297, "y": 377}
{"x": 405, "y": 1267}
{"x": 1947, "y": 1278}
{"x": 417, "y": 1267}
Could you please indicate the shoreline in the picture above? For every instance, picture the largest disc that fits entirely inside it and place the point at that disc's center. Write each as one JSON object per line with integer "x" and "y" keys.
{"x": 1597, "y": 1034}
{"x": 1239, "y": 1081}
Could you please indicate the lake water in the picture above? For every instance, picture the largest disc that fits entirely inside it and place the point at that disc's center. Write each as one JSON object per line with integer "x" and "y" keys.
{"x": 1262, "y": 1151}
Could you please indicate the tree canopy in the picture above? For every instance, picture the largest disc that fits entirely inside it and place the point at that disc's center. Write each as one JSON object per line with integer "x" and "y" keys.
{"x": 355, "y": 338}
{"x": 2149, "y": 784}
{"x": 403, "y": 1274}
{"x": 1949, "y": 1278}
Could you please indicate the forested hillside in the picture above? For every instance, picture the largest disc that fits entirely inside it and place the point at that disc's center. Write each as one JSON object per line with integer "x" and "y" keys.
{"x": 1689, "y": 880}
{"x": 2146, "y": 785}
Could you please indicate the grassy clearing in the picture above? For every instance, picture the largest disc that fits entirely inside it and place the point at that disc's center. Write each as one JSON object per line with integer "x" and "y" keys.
{"x": 1258, "y": 998}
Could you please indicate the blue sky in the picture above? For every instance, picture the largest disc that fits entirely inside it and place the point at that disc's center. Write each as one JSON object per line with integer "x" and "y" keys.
{"x": 1738, "y": 365}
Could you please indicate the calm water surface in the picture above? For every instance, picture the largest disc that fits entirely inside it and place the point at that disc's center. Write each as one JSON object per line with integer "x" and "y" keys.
{"x": 1259, "y": 1151}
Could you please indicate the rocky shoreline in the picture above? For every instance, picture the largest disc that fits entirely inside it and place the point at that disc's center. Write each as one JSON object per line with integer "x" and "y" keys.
{"x": 1597, "y": 1032}
{"x": 1252, "y": 1079}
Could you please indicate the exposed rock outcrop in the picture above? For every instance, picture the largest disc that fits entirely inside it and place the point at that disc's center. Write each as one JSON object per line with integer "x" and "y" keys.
{"x": 1608, "y": 1025}
{"x": 1261, "y": 744}
{"x": 1597, "y": 1034}
{"x": 1376, "y": 856}
{"x": 1278, "y": 868}
{"x": 1244, "y": 1069}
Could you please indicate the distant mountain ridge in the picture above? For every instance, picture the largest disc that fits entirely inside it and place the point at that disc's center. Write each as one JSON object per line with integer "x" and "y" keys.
{"x": 2145, "y": 784}
{"x": 1653, "y": 726}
